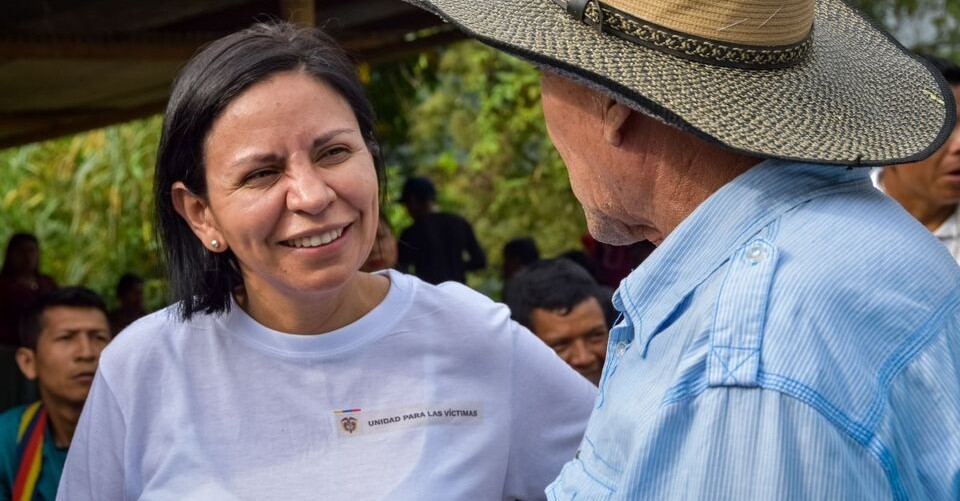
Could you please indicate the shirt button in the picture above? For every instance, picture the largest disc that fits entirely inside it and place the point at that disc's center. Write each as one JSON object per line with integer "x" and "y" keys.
{"x": 756, "y": 253}
{"x": 620, "y": 349}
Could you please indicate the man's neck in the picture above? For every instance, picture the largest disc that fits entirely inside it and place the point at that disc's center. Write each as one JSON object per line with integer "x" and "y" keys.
{"x": 930, "y": 214}
{"x": 693, "y": 184}
{"x": 62, "y": 419}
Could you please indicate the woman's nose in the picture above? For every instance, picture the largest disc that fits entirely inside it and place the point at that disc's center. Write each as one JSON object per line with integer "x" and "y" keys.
{"x": 309, "y": 191}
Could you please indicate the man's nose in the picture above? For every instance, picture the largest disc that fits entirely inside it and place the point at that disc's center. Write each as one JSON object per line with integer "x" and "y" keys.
{"x": 85, "y": 348}
{"x": 580, "y": 355}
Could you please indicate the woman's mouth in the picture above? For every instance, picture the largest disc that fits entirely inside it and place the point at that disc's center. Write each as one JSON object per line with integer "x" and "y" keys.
{"x": 317, "y": 240}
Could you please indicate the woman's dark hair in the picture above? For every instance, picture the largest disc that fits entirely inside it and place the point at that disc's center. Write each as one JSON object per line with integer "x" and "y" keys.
{"x": 202, "y": 281}
{"x": 15, "y": 241}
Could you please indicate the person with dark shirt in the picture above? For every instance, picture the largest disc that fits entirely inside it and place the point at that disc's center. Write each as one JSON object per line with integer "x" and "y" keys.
{"x": 130, "y": 296}
{"x": 21, "y": 284}
{"x": 437, "y": 243}
{"x": 518, "y": 254}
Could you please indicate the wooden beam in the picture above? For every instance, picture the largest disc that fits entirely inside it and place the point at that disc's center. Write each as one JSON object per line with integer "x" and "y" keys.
{"x": 121, "y": 16}
{"x": 142, "y": 47}
{"x": 79, "y": 122}
{"x": 302, "y": 12}
{"x": 361, "y": 12}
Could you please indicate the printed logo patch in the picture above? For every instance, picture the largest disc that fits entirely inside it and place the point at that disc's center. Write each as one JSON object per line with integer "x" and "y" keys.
{"x": 354, "y": 422}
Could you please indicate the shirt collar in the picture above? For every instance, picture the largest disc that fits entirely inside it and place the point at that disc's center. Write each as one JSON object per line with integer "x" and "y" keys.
{"x": 724, "y": 222}
{"x": 949, "y": 228}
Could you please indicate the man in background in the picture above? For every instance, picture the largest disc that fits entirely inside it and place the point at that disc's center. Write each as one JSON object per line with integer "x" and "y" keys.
{"x": 563, "y": 305}
{"x": 61, "y": 338}
{"x": 930, "y": 189}
{"x": 439, "y": 246}
{"x": 517, "y": 255}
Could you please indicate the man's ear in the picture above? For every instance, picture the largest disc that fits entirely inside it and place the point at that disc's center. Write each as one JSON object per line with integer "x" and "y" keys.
{"x": 615, "y": 117}
{"x": 196, "y": 212}
{"x": 27, "y": 360}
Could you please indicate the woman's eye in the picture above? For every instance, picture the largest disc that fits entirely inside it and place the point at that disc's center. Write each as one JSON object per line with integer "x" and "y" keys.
{"x": 259, "y": 176}
{"x": 333, "y": 154}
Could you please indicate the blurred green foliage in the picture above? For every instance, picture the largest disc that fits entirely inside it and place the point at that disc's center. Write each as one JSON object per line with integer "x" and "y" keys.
{"x": 464, "y": 115}
{"x": 88, "y": 199}
{"x": 930, "y": 26}
{"x": 473, "y": 124}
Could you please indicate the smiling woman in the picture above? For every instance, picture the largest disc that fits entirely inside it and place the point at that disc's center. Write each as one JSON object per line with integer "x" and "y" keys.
{"x": 283, "y": 371}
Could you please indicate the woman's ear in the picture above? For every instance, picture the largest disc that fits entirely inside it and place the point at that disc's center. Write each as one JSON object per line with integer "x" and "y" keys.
{"x": 615, "y": 116}
{"x": 196, "y": 212}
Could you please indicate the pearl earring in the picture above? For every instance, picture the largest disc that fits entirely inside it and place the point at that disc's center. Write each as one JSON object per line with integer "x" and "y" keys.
{"x": 215, "y": 244}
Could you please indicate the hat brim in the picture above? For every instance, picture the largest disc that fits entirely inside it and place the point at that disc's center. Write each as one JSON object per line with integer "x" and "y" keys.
{"x": 859, "y": 98}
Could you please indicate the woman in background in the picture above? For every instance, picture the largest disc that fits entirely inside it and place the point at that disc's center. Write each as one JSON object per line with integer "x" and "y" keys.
{"x": 21, "y": 284}
{"x": 383, "y": 255}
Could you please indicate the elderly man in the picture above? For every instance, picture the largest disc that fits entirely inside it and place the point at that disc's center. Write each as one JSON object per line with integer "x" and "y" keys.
{"x": 796, "y": 335}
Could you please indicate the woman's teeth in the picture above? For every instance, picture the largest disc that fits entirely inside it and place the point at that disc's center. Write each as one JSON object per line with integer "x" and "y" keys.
{"x": 316, "y": 240}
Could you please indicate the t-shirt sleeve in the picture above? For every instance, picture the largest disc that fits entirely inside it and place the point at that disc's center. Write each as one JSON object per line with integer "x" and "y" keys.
{"x": 94, "y": 469}
{"x": 550, "y": 405}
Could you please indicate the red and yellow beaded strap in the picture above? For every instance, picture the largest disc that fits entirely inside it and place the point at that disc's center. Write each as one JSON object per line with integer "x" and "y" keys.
{"x": 33, "y": 425}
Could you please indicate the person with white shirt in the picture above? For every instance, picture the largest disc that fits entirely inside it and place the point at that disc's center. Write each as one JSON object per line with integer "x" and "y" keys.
{"x": 282, "y": 371}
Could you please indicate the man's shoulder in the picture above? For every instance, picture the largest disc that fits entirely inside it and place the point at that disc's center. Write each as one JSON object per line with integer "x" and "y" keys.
{"x": 858, "y": 288}
{"x": 854, "y": 295}
{"x": 10, "y": 422}
{"x": 449, "y": 219}
{"x": 862, "y": 240}
{"x": 9, "y": 427}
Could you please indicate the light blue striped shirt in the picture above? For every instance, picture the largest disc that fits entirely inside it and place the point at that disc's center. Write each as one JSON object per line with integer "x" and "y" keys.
{"x": 797, "y": 337}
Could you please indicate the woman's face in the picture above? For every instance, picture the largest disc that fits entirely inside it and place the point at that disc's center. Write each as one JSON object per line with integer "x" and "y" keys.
{"x": 291, "y": 187}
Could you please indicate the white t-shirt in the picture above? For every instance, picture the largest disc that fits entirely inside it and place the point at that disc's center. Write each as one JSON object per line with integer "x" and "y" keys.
{"x": 434, "y": 394}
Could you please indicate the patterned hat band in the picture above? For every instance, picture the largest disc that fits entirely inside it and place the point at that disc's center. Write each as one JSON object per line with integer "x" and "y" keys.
{"x": 610, "y": 20}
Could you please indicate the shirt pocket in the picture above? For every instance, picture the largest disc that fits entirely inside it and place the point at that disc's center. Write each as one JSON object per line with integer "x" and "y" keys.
{"x": 576, "y": 483}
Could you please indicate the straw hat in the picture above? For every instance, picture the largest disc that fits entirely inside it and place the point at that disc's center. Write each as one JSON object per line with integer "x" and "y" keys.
{"x": 772, "y": 78}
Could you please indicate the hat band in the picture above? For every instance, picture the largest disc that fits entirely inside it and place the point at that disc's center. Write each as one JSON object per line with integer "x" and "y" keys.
{"x": 623, "y": 25}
